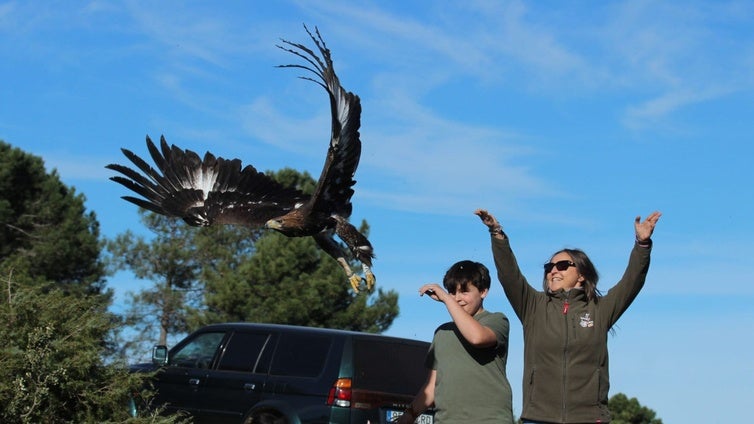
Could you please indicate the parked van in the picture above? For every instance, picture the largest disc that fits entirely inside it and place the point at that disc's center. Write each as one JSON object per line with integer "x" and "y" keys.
{"x": 266, "y": 373}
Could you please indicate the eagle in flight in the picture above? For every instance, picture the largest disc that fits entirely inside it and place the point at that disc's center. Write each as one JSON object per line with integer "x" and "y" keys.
{"x": 214, "y": 190}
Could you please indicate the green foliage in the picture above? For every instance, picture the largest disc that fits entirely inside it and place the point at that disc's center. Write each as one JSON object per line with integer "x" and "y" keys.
{"x": 52, "y": 368}
{"x": 45, "y": 233}
{"x": 630, "y": 411}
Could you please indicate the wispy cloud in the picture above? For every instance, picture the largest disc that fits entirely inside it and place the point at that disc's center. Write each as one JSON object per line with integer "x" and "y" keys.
{"x": 482, "y": 40}
{"x": 653, "y": 111}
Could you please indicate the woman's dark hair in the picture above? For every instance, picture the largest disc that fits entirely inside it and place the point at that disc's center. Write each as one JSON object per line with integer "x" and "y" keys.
{"x": 463, "y": 273}
{"x": 587, "y": 270}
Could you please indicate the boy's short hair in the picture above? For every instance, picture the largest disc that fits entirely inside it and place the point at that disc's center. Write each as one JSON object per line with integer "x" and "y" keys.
{"x": 463, "y": 273}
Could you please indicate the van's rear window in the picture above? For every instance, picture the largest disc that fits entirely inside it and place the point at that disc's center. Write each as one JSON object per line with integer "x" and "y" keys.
{"x": 387, "y": 366}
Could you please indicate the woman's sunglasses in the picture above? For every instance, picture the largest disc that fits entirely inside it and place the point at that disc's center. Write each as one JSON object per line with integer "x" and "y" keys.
{"x": 559, "y": 265}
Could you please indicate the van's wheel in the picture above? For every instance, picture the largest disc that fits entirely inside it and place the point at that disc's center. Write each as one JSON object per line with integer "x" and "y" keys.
{"x": 266, "y": 417}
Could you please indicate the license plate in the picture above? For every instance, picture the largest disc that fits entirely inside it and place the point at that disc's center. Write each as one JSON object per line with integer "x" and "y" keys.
{"x": 421, "y": 419}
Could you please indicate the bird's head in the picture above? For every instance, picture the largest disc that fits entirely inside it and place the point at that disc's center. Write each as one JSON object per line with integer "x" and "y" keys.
{"x": 285, "y": 226}
{"x": 292, "y": 224}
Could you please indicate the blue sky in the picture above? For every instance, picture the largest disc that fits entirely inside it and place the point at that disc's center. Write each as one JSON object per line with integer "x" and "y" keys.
{"x": 565, "y": 120}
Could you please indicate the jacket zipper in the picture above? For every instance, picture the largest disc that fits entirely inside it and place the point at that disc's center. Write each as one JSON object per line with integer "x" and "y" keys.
{"x": 565, "y": 358}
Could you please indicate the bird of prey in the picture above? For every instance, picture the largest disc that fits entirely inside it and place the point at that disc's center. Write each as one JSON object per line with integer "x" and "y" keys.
{"x": 214, "y": 190}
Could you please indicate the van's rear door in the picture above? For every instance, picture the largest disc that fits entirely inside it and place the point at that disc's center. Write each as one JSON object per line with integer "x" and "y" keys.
{"x": 387, "y": 375}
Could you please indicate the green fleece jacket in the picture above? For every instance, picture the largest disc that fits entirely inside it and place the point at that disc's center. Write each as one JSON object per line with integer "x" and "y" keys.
{"x": 566, "y": 377}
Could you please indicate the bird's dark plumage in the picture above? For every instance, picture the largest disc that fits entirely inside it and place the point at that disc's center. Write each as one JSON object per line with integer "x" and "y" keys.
{"x": 212, "y": 190}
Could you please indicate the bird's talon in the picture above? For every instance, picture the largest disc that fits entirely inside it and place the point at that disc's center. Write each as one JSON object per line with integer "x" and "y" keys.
{"x": 370, "y": 280}
{"x": 355, "y": 281}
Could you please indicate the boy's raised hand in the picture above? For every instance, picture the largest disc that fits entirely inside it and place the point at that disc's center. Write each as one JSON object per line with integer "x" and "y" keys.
{"x": 434, "y": 291}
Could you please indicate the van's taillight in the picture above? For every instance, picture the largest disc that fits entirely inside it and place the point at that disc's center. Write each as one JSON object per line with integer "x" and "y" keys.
{"x": 340, "y": 393}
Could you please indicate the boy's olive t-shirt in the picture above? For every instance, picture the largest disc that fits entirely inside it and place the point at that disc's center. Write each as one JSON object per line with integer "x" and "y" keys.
{"x": 471, "y": 384}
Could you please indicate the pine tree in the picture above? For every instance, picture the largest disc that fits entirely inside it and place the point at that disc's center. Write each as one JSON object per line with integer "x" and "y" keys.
{"x": 291, "y": 281}
{"x": 46, "y": 235}
{"x": 170, "y": 260}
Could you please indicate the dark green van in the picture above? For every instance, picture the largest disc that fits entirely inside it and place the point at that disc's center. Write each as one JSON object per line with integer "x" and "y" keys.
{"x": 266, "y": 373}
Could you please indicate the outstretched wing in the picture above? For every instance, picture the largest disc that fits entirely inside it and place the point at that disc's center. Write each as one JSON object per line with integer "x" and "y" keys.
{"x": 334, "y": 187}
{"x": 204, "y": 191}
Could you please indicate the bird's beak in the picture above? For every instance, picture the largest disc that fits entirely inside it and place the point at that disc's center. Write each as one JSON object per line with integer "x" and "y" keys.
{"x": 273, "y": 224}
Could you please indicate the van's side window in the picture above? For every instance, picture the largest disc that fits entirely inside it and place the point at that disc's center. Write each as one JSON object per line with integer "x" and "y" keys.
{"x": 242, "y": 351}
{"x": 301, "y": 355}
{"x": 199, "y": 352}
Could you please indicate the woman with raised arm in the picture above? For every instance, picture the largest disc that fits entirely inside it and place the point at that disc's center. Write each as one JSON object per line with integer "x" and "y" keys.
{"x": 566, "y": 374}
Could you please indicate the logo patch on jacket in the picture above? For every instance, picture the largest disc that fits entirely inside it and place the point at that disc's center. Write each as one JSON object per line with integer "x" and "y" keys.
{"x": 586, "y": 320}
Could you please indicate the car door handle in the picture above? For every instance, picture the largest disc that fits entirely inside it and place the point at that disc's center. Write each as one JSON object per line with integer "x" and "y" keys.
{"x": 249, "y": 386}
{"x": 194, "y": 381}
